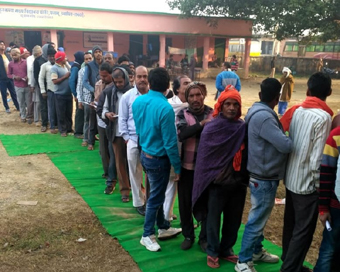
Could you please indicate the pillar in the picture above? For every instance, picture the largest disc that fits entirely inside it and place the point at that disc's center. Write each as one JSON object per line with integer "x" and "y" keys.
{"x": 247, "y": 57}
{"x": 226, "y": 50}
{"x": 145, "y": 44}
{"x": 110, "y": 42}
{"x": 162, "y": 50}
{"x": 206, "y": 45}
{"x": 54, "y": 37}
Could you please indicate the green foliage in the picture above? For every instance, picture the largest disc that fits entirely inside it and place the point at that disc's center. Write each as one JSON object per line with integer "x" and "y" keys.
{"x": 305, "y": 19}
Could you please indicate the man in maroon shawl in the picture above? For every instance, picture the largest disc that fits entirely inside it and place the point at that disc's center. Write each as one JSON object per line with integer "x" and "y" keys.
{"x": 221, "y": 178}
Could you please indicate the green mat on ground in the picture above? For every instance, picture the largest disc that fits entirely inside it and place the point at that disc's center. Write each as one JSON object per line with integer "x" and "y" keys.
{"x": 83, "y": 170}
{"x": 28, "y": 144}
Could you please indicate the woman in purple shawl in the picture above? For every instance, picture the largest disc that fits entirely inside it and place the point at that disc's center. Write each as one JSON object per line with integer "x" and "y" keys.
{"x": 221, "y": 178}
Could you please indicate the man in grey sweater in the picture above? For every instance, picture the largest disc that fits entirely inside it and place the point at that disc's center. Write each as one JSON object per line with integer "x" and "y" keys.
{"x": 267, "y": 155}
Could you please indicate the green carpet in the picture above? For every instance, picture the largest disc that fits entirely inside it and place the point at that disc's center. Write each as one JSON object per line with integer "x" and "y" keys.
{"x": 83, "y": 170}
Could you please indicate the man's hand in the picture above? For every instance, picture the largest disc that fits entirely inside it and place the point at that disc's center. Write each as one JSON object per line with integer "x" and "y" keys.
{"x": 80, "y": 105}
{"x": 17, "y": 78}
{"x": 76, "y": 100}
{"x": 44, "y": 95}
{"x": 177, "y": 177}
{"x": 324, "y": 216}
{"x": 110, "y": 116}
{"x": 203, "y": 122}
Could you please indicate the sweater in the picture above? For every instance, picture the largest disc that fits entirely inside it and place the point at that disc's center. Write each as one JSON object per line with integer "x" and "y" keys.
{"x": 328, "y": 172}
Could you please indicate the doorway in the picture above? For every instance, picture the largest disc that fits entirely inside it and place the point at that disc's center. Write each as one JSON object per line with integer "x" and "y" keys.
{"x": 32, "y": 38}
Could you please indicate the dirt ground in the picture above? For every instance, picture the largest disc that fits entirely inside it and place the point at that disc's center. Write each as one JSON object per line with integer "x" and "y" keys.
{"x": 43, "y": 237}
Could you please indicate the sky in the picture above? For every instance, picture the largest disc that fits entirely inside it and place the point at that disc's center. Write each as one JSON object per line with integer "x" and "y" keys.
{"x": 133, "y": 5}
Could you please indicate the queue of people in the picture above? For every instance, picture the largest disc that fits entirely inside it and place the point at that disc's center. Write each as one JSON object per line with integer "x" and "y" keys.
{"x": 215, "y": 154}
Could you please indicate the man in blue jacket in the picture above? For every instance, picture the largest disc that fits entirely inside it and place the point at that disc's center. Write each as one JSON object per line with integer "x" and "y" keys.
{"x": 225, "y": 78}
{"x": 73, "y": 80}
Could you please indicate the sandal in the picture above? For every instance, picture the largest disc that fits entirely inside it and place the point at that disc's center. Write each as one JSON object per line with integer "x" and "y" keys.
{"x": 90, "y": 147}
{"x": 125, "y": 199}
{"x": 213, "y": 262}
{"x": 231, "y": 258}
{"x": 84, "y": 143}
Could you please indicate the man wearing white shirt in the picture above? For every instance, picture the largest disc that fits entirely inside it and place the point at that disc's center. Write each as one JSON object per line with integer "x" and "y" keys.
{"x": 127, "y": 130}
{"x": 178, "y": 102}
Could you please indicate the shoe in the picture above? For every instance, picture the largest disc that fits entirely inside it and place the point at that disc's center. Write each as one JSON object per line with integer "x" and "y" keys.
{"x": 84, "y": 143}
{"x": 141, "y": 210}
{"x": 187, "y": 243}
{"x": 265, "y": 257}
{"x": 245, "y": 267}
{"x": 213, "y": 262}
{"x": 90, "y": 147}
{"x": 8, "y": 111}
{"x": 109, "y": 190}
{"x": 53, "y": 131}
{"x": 150, "y": 243}
{"x": 165, "y": 234}
{"x": 29, "y": 121}
{"x": 203, "y": 245}
{"x": 63, "y": 134}
{"x": 125, "y": 199}
{"x": 43, "y": 129}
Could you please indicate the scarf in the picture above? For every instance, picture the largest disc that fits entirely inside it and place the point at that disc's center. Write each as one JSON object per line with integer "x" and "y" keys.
{"x": 311, "y": 102}
{"x": 229, "y": 92}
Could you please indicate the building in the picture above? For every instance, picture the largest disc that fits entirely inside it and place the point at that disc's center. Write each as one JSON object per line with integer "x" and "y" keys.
{"x": 145, "y": 36}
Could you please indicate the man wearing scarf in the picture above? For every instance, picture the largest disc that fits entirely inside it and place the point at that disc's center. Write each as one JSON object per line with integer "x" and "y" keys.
{"x": 109, "y": 112}
{"x": 287, "y": 82}
{"x": 309, "y": 125}
{"x": 221, "y": 178}
{"x": 268, "y": 150}
{"x": 190, "y": 123}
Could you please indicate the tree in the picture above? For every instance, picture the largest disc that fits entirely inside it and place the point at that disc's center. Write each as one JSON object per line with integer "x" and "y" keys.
{"x": 303, "y": 19}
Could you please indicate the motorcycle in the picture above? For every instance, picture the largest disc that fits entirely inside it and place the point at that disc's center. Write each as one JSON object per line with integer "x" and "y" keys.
{"x": 334, "y": 73}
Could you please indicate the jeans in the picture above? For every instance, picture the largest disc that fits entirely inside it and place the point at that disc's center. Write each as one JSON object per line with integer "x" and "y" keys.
{"x": 23, "y": 95}
{"x": 262, "y": 202}
{"x": 86, "y": 122}
{"x": 43, "y": 110}
{"x": 78, "y": 121}
{"x": 158, "y": 171}
{"x": 64, "y": 105}
{"x": 8, "y": 84}
{"x": 330, "y": 243}
{"x": 112, "y": 170}
{"x": 282, "y": 107}
{"x": 52, "y": 111}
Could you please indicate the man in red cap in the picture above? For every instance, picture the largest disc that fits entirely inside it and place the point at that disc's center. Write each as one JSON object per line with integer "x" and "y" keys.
{"x": 24, "y": 53}
{"x": 63, "y": 95}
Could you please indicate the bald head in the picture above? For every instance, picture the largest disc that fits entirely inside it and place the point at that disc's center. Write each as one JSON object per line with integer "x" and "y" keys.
{"x": 141, "y": 78}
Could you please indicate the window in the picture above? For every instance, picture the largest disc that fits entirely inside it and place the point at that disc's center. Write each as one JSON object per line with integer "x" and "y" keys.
{"x": 289, "y": 47}
{"x": 310, "y": 48}
{"x": 319, "y": 48}
{"x": 329, "y": 47}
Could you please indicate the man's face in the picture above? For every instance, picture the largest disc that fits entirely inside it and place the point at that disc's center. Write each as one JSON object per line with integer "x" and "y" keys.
{"x": 132, "y": 68}
{"x": 51, "y": 59}
{"x": 98, "y": 55}
{"x": 109, "y": 59}
{"x": 15, "y": 56}
{"x": 2, "y": 46}
{"x": 105, "y": 76}
{"x": 195, "y": 99}
{"x": 142, "y": 79}
{"x": 88, "y": 58}
{"x": 119, "y": 82}
{"x": 185, "y": 81}
{"x": 230, "y": 108}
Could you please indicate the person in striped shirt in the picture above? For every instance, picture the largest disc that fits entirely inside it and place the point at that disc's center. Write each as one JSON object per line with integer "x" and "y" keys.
{"x": 329, "y": 205}
{"x": 309, "y": 125}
